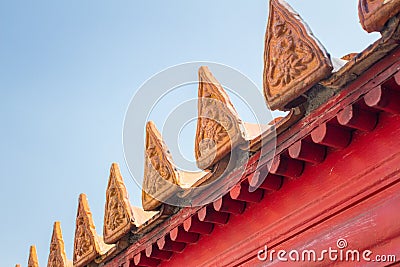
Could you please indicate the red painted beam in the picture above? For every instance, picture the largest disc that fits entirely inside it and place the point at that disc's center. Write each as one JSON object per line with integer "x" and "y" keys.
{"x": 166, "y": 244}
{"x": 229, "y": 205}
{"x": 286, "y": 167}
{"x": 178, "y": 234}
{"x": 357, "y": 118}
{"x": 154, "y": 252}
{"x": 307, "y": 151}
{"x": 141, "y": 259}
{"x": 332, "y": 136}
{"x": 241, "y": 192}
{"x": 384, "y": 99}
{"x": 194, "y": 225}
{"x": 208, "y": 214}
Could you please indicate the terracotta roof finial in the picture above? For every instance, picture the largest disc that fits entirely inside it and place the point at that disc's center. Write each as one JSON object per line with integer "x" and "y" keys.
{"x": 160, "y": 174}
{"x": 118, "y": 217}
{"x": 57, "y": 256}
{"x": 374, "y": 14}
{"x": 219, "y": 127}
{"x": 294, "y": 60}
{"x": 33, "y": 258}
{"x": 86, "y": 244}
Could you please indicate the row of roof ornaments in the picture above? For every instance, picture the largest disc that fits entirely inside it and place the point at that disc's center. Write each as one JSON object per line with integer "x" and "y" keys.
{"x": 294, "y": 62}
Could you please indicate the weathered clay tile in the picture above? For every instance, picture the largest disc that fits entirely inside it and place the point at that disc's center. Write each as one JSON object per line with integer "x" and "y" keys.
{"x": 57, "y": 256}
{"x": 294, "y": 60}
{"x": 162, "y": 179}
{"x": 33, "y": 258}
{"x": 374, "y": 14}
{"x": 219, "y": 127}
{"x": 118, "y": 217}
{"x": 160, "y": 174}
{"x": 86, "y": 243}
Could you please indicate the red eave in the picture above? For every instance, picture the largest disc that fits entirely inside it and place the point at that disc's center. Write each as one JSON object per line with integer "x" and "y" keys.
{"x": 359, "y": 172}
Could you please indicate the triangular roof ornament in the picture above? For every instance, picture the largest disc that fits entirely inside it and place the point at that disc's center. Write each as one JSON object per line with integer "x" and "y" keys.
{"x": 162, "y": 179}
{"x": 160, "y": 174}
{"x": 219, "y": 127}
{"x": 57, "y": 256}
{"x": 86, "y": 244}
{"x": 118, "y": 216}
{"x": 294, "y": 60}
{"x": 33, "y": 258}
{"x": 374, "y": 14}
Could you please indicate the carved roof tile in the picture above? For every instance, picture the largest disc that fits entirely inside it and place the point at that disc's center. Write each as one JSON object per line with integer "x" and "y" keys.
{"x": 374, "y": 14}
{"x": 86, "y": 244}
{"x": 33, "y": 258}
{"x": 219, "y": 127}
{"x": 118, "y": 217}
{"x": 57, "y": 256}
{"x": 294, "y": 60}
{"x": 160, "y": 174}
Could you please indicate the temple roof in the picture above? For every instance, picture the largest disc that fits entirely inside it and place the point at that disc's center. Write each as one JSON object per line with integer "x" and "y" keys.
{"x": 299, "y": 77}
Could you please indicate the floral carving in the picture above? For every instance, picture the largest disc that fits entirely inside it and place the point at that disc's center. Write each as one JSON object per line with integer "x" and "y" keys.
{"x": 118, "y": 214}
{"x": 86, "y": 247}
{"x": 160, "y": 175}
{"x": 83, "y": 244}
{"x": 375, "y": 13}
{"x": 57, "y": 256}
{"x": 294, "y": 60}
{"x": 291, "y": 59}
{"x": 218, "y": 125}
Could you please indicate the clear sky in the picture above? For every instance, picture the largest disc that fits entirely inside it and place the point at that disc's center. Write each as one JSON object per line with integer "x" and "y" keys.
{"x": 68, "y": 70}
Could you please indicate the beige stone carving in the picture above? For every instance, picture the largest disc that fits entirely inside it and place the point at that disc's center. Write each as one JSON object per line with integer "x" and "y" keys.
{"x": 57, "y": 256}
{"x": 118, "y": 217}
{"x": 294, "y": 60}
{"x": 374, "y": 14}
{"x": 33, "y": 258}
{"x": 86, "y": 244}
{"x": 219, "y": 127}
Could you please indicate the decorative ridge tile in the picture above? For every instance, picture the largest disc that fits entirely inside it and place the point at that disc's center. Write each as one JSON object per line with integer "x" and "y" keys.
{"x": 294, "y": 60}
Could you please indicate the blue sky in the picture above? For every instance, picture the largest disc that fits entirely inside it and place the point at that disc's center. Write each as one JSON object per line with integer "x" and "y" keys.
{"x": 68, "y": 70}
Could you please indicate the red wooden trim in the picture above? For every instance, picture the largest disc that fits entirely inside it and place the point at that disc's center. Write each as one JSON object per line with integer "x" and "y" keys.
{"x": 383, "y": 99}
{"x": 358, "y": 118}
{"x": 229, "y": 205}
{"x": 194, "y": 225}
{"x": 208, "y": 214}
{"x": 286, "y": 167}
{"x": 141, "y": 259}
{"x": 331, "y": 135}
{"x": 179, "y": 234}
{"x": 269, "y": 182}
{"x": 165, "y": 243}
{"x": 371, "y": 224}
{"x": 154, "y": 252}
{"x": 307, "y": 151}
{"x": 241, "y": 192}
{"x": 340, "y": 191}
